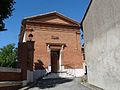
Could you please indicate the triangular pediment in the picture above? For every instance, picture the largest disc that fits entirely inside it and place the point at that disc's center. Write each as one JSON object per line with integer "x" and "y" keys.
{"x": 54, "y": 18}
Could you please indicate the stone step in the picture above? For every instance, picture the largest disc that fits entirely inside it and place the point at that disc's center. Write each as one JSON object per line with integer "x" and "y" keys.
{"x": 58, "y": 75}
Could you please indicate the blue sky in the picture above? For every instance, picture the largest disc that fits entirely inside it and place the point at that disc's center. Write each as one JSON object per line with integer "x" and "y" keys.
{"x": 74, "y": 9}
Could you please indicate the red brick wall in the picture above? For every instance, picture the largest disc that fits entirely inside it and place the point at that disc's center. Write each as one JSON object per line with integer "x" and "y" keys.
{"x": 22, "y": 57}
{"x": 72, "y": 52}
{"x": 10, "y": 76}
{"x": 25, "y": 56}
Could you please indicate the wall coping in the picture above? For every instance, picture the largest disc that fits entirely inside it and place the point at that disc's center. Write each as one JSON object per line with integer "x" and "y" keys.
{"x": 7, "y": 69}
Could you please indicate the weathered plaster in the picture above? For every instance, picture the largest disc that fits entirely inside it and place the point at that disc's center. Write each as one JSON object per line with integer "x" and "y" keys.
{"x": 102, "y": 43}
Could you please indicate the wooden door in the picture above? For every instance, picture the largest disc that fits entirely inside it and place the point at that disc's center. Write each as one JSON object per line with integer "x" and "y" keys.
{"x": 55, "y": 61}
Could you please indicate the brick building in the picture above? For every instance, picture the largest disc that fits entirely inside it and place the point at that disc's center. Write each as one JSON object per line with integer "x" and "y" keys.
{"x": 56, "y": 44}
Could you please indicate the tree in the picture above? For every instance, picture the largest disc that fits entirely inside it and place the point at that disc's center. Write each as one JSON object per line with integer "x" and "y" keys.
{"x": 6, "y": 8}
{"x": 8, "y": 56}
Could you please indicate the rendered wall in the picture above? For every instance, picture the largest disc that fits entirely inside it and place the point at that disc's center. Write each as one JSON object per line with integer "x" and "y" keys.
{"x": 102, "y": 43}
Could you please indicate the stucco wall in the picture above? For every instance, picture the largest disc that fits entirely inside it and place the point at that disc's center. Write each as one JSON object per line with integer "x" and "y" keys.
{"x": 102, "y": 44}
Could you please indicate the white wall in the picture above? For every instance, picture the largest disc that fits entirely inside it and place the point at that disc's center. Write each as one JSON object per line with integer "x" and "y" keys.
{"x": 66, "y": 73}
{"x": 29, "y": 76}
{"x": 102, "y": 44}
{"x": 39, "y": 73}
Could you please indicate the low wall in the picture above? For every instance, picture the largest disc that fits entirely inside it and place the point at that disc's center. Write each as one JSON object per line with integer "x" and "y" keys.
{"x": 12, "y": 78}
{"x": 66, "y": 71}
{"x": 10, "y": 74}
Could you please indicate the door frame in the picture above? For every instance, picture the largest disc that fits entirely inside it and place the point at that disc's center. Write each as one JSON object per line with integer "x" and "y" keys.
{"x": 52, "y": 47}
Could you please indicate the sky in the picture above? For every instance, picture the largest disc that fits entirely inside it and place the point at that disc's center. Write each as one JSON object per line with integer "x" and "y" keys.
{"x": 75, "y": 9}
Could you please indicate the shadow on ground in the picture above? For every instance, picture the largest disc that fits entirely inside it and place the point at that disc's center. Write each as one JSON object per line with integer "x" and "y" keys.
{"x": 48, "y": 83}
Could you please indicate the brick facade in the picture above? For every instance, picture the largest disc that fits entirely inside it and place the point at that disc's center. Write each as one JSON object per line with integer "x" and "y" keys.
{"x": 54, "y": 30}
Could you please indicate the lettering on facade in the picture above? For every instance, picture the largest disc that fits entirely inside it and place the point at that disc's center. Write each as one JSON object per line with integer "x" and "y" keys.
{"x": 55, "y": 37}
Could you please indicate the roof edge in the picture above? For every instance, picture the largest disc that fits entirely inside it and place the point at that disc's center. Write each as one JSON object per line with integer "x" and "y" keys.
{"x": 54, "y": 12}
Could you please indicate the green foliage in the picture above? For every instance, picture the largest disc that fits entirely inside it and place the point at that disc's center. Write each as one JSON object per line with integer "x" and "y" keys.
{"x": 8, "y": 56}
{"x": 6, "y": 8}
